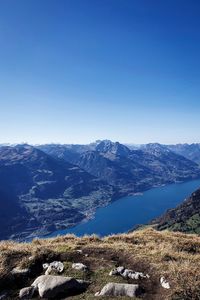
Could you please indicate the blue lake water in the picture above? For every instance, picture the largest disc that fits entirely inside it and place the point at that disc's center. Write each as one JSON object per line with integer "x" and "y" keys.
{"x": 123, "y": 214}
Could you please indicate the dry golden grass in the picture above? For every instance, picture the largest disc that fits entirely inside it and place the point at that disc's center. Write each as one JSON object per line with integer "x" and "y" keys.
{"x": 173, "y": 255}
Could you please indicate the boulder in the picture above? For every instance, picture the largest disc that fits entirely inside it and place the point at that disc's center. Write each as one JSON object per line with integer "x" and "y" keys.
{"x": 50, "y": 286}
{"x": 119, "y": 289}
{"x": 26, "y": 293}
{"x": 79, "y": 266}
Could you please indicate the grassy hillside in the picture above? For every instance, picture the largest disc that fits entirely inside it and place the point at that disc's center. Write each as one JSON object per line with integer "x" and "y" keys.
{"x": 184, "y": 218}
{"x": 173, "y": 255}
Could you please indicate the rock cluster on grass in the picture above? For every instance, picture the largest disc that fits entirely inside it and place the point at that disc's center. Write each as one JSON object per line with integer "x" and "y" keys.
{"x": 53, "y": 286}
{"x": 49, "y": 286}
{"x": 126, "y": 273}
{"x": 56, "y": 266}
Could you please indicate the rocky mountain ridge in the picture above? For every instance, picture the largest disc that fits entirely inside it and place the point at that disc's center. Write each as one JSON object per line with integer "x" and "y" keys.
{"x": 129, "y": 170}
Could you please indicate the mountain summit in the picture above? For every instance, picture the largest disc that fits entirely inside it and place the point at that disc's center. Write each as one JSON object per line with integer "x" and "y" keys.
{"x": 106, "y": 146}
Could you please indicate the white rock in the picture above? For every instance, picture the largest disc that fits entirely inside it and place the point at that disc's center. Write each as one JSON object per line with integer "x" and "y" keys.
{"x": 79, "y": 251}
{"x": 50, "y": 286}
{"x": 48, "y": 270}
{"x": 126, "y": 273}
{"x": 56, "y": 266}
{"x": 120, "y": 269}
{"x": 164, "y": 283}
{"x": 133, "y": 276}
{"x": 31, "y": 258}
{"x": 27, "y": 292}
{"x": 113, "y": 272}
{"x": 119, "y": 289}
{"x": 19, "y": 271}
{"x": 138, "y": 275}
{"x": 45, "y": 266}
{"x": 79, "y": 266}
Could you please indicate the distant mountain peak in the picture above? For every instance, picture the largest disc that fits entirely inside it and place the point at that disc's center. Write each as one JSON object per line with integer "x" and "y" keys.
{"x": 155, "y": 146}
{"x": 156, "y": 149}
{"x": 107, "y": 146}
{"x": 190, "y": 151}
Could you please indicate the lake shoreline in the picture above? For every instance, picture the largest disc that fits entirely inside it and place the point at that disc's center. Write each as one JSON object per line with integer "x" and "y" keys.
{"x": 92, "y": 215}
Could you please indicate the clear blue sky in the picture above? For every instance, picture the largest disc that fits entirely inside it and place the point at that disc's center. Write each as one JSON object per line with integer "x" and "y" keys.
{"x": 73, "y": 71}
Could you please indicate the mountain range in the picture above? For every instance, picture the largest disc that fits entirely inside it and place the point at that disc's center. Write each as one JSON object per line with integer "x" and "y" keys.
{"x": 48, "y": 187}
{"x": 129, "y": 170}
{"x": 190, "y": 151}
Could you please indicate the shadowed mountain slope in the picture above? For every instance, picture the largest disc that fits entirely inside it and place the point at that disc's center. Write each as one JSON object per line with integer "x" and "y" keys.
{"x": 44, "y": 192}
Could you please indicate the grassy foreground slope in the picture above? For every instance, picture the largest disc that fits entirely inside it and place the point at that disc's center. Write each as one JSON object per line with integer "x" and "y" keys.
{"x": 173, "y": 255}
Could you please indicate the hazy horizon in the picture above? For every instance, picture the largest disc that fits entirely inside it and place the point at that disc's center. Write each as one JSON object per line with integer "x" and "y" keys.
{"x": 75, "y": 71}
{"x": 91, "y": 142}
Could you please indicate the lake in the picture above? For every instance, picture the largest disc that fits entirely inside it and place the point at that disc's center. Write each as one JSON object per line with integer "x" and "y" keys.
{"x": 123, "y": 214}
